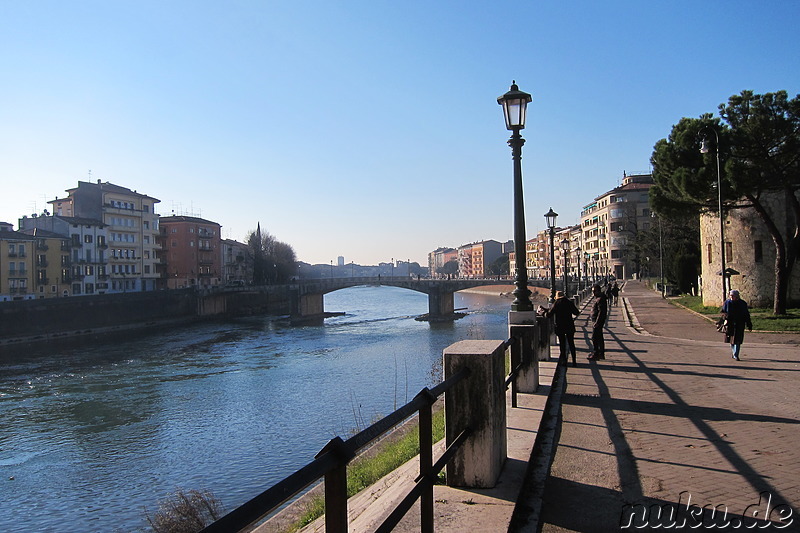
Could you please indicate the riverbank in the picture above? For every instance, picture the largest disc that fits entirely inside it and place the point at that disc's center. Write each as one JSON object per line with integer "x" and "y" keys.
{"x": 506, "y": 291}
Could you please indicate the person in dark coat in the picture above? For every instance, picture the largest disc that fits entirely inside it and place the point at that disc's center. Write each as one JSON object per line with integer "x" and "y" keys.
{"x": 615, "y": 293}
{"x": 738, "y": 316}
{"x": 563, "y": 311}
{"x": 598, "y": 316}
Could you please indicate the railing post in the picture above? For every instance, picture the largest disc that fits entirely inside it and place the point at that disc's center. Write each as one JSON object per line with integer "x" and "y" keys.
{"x": 524, "y": 332}
{"x": 336, "y": 487}
{"x": 426, "y": 462}
{"x": 478, "y": 402}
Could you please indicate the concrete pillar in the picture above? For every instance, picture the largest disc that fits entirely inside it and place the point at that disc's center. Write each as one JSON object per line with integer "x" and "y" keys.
{"x": 441, "y": 304}
{"x": 522, "y": 324}
{"x": 477, "y": 402}
{"x": 543, "y": 344}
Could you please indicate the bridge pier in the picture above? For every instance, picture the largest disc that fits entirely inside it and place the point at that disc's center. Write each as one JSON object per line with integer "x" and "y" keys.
{"x": 307, "y": 308}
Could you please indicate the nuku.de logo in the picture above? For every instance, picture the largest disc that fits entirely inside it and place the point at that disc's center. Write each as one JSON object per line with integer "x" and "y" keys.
{"x": 685, "y": 514}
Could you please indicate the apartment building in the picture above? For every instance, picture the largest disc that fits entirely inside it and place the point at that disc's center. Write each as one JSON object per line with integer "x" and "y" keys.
{"x": 609, "y": 225}
{"x": 72, "y": 255}
{"x": 237, "y": 265}
{"x": 193, "y": 252}
{"x": 474, "y": 259}
{"x": 438, "y": 258}
{"x": 132, "y": 229}
{"x": 16, "y": 264}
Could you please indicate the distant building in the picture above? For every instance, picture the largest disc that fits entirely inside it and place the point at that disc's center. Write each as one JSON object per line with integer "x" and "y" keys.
{"x": 237, "y": 264}
{"x": 16, "y": 264}
{"x": 609, "y": 226}
{"x": 438, "y": 258}
{"x": 75, "y": 260}
{"x": 474, "y": 259}
{"x": 132, "y": 227}
{"x": 192, "y": 251}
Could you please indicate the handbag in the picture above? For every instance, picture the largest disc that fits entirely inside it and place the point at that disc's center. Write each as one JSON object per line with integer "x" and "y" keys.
{"x": 722, "y": 326}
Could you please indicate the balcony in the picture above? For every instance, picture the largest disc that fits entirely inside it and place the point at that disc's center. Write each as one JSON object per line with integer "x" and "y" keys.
{"x": 43, "y": 281}
{"x": 42, "y": 246}
{"x": 12, "y": 254}
{"x": 42, "y": 263}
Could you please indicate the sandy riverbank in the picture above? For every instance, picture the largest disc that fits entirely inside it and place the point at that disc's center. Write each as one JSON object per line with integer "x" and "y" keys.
{"x": 538, "y": 293}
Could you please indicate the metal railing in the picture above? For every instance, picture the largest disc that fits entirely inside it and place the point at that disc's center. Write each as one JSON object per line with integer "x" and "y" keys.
{"x": 331, "y": 463}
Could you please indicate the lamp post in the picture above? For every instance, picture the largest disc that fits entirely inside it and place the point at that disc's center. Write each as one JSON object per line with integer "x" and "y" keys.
{"x": 550, "y": 217}
{"x": 515, "y": 103}
{"x": 661, "y": 256}
{"x": 565, "y": 253}
{"x": 704, "y": 149}
{"x": 578, "y": 258}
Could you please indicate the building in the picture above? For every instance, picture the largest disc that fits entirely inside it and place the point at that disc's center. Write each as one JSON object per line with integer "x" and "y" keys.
{"x": 132, "y": 228}
{"x": 475, "y": 259}
{"x": 438, "y": 258}
{"x": 16, "y": 264}
{"x": 192, "y": 250}
{"x": 237, "y": 264}
{"x": 749, "y": 250}
{"x": 75, "y": 260}
{"x": 609, "y": 226}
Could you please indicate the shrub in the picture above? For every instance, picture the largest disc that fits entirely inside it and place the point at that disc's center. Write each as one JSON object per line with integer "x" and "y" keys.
{"x": 185, "y": 512}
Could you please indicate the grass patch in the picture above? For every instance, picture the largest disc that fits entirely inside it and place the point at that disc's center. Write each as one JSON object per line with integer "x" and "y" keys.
{"x": 763, "y": 318}
{"x": 365, "y": 471}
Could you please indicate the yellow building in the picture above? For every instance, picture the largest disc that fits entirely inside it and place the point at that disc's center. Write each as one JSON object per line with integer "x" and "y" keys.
{"x": 16, "y": 264}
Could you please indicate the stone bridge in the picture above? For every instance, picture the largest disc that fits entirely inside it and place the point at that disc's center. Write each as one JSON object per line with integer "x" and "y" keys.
{"x": 308, "y": 303}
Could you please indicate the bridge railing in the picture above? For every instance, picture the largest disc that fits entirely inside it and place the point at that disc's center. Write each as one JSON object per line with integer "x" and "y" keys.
{"x": 468, "y": 373}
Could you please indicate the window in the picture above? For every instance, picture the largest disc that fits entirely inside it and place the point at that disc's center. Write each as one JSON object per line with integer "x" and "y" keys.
{"x": 147, "y": 269}
{"x": 22, "y": 250}
{"x": 710, "y": 254}
{"x": 146, "y": 224}
{"x": 728, "y": 251}
{"x": 87, "y": 239}
{"x": 147, "y": 239}
{"x": 758, "y": 251}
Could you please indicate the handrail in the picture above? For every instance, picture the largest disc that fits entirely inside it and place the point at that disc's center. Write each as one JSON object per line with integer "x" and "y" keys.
{"x": 334, "y": 457}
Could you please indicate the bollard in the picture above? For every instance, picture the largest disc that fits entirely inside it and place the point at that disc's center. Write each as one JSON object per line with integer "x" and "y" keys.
{"x": 523, "y": 325}
{"x": 478, "y": 402}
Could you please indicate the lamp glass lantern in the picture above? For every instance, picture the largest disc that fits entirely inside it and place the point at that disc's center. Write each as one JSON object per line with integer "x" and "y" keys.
{"x": 515, "y": 104}
{"x": 565, "y": 245}
{"x": 550, "y": 217}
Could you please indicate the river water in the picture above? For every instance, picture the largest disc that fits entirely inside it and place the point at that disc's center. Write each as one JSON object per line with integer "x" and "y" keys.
{"x": 90, "y": 437}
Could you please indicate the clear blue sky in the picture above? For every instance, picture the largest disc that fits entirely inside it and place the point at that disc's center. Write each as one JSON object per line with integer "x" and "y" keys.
{"x": 368, "y": 129}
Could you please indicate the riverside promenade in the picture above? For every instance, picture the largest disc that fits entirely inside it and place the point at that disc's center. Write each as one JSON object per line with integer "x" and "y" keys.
{"x": 667, "y": 425}
{"x": 669, "y": 416}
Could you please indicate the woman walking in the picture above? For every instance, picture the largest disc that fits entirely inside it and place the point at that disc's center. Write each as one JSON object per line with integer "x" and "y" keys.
{"x": 738, "y": 316}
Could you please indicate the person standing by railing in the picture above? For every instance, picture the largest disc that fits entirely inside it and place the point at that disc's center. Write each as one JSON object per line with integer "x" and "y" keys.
{"x": 563, "y": 311}
{"x": 598, "y": 316}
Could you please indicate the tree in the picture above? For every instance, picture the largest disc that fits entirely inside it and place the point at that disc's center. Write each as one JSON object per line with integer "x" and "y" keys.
{"x": 449, "y": 269}
{"x": 759, "y": 143}
{"x": 273, "y": 261}
{"x": 499, "y": 266}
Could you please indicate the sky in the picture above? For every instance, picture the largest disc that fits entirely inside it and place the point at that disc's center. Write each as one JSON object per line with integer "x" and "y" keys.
{"x": 365, "y": 129}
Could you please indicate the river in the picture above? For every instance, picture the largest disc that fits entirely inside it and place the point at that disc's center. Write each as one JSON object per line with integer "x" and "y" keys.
{"x": 90, "y": 437}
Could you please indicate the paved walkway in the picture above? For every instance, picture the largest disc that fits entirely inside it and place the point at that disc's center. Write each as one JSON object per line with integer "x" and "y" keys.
{"x": 668, "y": 418}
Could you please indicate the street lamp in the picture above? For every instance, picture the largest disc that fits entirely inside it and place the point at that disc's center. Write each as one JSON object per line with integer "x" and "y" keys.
{"x": 704, "y": 149}
{"x": 550, "y": 217}
{"x": 661, "y": 257}
{"x": 578, "y": 257}
{"x": 515, "y": 103}
{"x": 565, "y": 253}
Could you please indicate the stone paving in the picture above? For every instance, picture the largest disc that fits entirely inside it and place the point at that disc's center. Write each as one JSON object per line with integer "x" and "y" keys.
{"x": 670, "y": 422}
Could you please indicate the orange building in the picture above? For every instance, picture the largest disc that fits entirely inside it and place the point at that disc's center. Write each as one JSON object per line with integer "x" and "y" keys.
{"x": 192, "y": 251}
